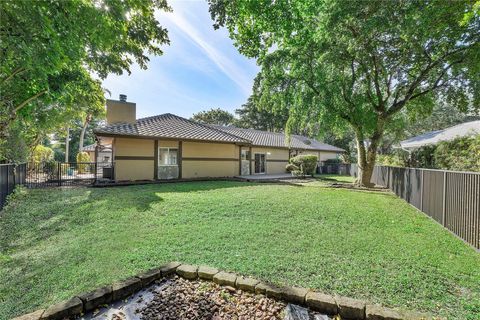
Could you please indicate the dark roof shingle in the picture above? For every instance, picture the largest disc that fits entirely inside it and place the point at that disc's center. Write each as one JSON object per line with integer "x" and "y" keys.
{"x": 169, "y": 126}
{"x": 174, "y": 127}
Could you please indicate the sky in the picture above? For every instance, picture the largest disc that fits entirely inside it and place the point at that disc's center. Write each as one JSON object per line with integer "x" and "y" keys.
{"x": 200, "y": 69}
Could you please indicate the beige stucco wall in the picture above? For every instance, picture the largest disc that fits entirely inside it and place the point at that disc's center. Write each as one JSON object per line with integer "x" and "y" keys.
{"x": 167, "y": 144}
{"x": 322, "y": 155}
{"x": 325, "y": 155}
{"x": 118, "y": 111}
{"x": 134, "y": 147}
{"x": 209, "y": 150}
{"x": 207, "y": 169}
{"x": 226, "y": 165}
{"x": 133, "y": 169}
{"x": 272, "y": 167}
{"x": 214, "y": 159}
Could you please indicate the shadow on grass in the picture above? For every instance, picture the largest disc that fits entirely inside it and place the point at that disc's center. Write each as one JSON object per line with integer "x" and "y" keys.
{"x": 43, "y": 213}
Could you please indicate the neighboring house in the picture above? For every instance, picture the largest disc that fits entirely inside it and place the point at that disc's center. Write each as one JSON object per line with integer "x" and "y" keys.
{"x": 434, "y": 137}
{"x": 171, "y": 147}
{"x": 104, "y": 153}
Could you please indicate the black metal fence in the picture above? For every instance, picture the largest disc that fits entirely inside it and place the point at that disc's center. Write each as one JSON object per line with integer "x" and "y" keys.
{"x": 52, "y": 174}
{"x": 451, "y": 198}
{"x": 10, "y": 176}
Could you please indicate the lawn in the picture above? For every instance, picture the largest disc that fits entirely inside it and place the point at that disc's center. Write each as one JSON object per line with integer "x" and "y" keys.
{"x": 368, "y": 245}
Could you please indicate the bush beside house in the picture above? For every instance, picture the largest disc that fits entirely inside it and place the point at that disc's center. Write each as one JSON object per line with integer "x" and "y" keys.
{"x": 302, "y": 165}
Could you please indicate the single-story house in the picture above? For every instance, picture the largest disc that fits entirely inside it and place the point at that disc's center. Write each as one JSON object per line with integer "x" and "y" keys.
{"x": 434, "y": 137}
{"x": 167, "y": 146}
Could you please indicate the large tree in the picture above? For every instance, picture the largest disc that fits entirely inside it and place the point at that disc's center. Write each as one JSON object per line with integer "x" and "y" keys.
{"x": 50, "y": 49}
{"x": 214, "y": 116}
{"x": 358, "y": 63}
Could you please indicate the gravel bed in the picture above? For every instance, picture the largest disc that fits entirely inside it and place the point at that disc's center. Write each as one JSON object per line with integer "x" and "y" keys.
{"x": 185, "y": 299}
{"x": 176, "y": 298}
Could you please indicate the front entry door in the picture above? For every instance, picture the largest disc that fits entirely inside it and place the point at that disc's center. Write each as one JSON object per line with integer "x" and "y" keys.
{"x": 259, "y": 162}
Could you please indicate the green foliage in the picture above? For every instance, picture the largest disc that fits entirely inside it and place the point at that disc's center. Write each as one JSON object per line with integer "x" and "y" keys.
{"x": 394, "y": 160}
{"x": 14, "y": 149}
{"x": 42, "y": 154}
{"x": 50, "y": 50}
{"x": 214, "y": 116}
{"x": 461, "y": 154}
{"x": 82, "y": 157}
{"x": 71, "y": 241}
{"x": 305, "y": 164}
{"x": 357, "y": 63}
{"x": 291, "y": 167}
{"x": 253, "y": 117}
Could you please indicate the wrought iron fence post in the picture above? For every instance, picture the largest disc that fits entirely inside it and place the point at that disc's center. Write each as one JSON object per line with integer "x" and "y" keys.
{"x": 96, "y": 168}
{"x": 59, "y": 173}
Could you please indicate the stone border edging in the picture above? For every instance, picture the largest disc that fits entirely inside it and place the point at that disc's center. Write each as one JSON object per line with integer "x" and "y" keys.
{"x": 347, "y": 308}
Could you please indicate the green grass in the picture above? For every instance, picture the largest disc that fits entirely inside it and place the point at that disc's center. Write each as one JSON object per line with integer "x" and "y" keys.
{"x": 335, "y": 178}
{"x": 58, "y": 243}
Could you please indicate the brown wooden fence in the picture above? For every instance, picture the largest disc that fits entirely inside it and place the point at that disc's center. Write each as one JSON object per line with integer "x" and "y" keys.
{"x": 451, "y": 198}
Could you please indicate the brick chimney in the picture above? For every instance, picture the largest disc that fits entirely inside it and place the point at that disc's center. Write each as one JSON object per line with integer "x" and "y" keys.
{"x": 121, "y": 111}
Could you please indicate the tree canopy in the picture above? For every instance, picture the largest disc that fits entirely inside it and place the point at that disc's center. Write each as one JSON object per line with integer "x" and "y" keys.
{"x": 214, "y": 116}
{"x": 357, "y": 63}
{"x": 51, "y": 51}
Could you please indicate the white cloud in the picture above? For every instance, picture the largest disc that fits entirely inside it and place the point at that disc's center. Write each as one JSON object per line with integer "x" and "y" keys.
{"x": 228, "y": 66}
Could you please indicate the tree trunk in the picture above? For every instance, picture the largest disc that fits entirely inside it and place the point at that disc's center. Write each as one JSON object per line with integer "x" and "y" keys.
{"x": 368, "y": 156}
{"x": 67, "y": 144}
{"x": 82, "y": 134}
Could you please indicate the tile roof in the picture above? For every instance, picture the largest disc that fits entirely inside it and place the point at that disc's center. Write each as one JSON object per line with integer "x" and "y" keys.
{"x": 174, "y": 127}
{"x": 278, "y": 140}
{"x": 169, "y": 126}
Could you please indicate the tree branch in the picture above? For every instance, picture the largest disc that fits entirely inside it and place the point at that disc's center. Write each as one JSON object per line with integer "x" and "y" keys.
{"x": 24, "y": 103}
{"x": 14, "y": 72}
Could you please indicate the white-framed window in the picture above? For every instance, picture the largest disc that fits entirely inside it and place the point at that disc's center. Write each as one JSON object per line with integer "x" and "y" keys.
{"x": 167, "y": 156}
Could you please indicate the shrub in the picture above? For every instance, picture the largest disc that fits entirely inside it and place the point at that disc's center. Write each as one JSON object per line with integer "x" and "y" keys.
{"x": 332, "y": 161}
{"x": 42, "y": 154}
{"x": 291, "y": 167}
{"x": 460, "y": 154}
{"x": 82, "y": 157}
{"x": 305, "y": 164}
{"x": 394, "y": 160}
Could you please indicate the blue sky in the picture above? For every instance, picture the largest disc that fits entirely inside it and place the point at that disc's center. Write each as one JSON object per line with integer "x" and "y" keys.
{"x": 199, "y": 70}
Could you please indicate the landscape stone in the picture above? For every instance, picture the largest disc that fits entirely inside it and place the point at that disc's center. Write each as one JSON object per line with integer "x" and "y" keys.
{"x": 321, "y": 302}
{"x": 261, "y": 288}
{"x": 295, "y": 294}
{"x": 150, "y": 276}
{"x": 374, "y": 312}
{"x": 349, "y": 308}
{"x": 187, "y": 271}
{"x": 246, "y": 284}
{"x": 64, "y": 309}
{"x": 123, "y": 289}
{"x": 412, "y": 315}
{"x": 35, "y": 315}
{"x": 96, "y": 298}
{"x": 225, "y": 279}
{"x": 206, "y": 273}
{"x": 274, "y": 292}
{"x": 169, "y": 268}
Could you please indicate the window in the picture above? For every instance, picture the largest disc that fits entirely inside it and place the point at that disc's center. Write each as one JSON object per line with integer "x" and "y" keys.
{"x": 245, "y": 155}
{"x": 167, "y": 156}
